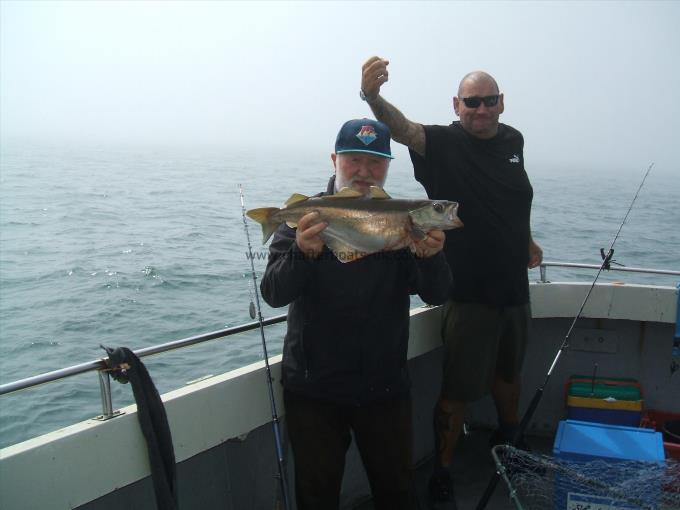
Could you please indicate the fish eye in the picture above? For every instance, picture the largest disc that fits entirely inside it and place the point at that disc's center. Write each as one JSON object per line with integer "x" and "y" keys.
{"x": 438, "y": 207}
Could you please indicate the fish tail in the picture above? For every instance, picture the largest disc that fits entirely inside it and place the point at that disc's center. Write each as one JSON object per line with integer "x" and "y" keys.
{"x": 263, "y": 217}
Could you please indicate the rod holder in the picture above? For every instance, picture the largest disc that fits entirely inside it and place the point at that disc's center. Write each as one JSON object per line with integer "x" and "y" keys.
{"x": 107, "y": 402}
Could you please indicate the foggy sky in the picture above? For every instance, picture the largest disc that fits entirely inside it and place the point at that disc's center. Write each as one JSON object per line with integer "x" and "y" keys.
{"x": 588, "y": 84}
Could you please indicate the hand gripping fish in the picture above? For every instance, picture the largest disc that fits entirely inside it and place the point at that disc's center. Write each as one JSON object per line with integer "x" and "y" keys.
{"x": 360, "y": 225}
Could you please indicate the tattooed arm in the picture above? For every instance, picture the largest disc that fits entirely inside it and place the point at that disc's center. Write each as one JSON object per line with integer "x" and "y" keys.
{"x": 373, "y": 75}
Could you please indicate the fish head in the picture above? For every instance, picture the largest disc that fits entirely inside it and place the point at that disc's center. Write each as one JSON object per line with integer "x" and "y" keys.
{"x": 436, "y": 214}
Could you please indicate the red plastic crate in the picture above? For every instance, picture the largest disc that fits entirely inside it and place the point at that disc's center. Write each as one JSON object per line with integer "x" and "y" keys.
{"x": 653, "y": 419}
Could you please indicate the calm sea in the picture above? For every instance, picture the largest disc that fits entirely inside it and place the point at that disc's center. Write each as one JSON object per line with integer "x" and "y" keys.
{"x": 138, "y": 247}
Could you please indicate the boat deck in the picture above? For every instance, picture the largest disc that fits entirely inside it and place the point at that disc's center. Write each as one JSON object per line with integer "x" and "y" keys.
{"x": 472, "y": 469}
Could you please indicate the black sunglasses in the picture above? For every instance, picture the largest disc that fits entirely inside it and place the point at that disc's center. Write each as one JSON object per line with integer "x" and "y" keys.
{"x": 475, "y": 101}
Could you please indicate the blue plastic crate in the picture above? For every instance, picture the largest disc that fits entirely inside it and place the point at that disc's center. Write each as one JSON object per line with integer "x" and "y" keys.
{"x": 610, "y": 416}
{"x": 580, "y": 441}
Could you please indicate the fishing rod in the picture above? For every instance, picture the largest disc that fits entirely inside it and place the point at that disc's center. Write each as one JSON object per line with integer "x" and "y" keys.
{"x": 606, "y": 262}
{"x": 275, "y": 418}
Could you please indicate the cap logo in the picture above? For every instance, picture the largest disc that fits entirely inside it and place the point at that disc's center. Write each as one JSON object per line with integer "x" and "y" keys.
{"x": 367, "y": 135}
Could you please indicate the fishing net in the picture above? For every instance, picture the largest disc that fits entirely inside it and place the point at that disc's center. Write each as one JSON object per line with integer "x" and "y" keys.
{"x": 539, "y": 482}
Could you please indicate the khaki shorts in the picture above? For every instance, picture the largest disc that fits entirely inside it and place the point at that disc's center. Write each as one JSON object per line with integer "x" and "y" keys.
{"x": 481, "y": 341}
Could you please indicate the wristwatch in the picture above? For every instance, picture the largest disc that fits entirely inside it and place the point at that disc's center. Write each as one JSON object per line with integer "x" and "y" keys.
{"x": 363, "y": 96}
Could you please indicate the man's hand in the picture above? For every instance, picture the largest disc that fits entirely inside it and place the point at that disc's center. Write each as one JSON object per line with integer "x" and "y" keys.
{"x": 430, "y": 245}
{"x": 535, "y": 254}
{"x": 373, "y": 75}
{"x": 307, "y": 235}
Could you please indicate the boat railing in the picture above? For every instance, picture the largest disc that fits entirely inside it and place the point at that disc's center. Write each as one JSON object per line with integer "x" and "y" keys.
{"x": 544, "y": 269}
{"x": 101, "y": 366}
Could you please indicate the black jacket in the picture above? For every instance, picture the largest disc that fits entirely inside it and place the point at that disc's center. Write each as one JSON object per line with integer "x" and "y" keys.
{"x": 348, "y": 323}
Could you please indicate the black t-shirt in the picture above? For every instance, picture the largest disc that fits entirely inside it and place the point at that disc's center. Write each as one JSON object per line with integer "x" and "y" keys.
{"x": 489, "y": 255}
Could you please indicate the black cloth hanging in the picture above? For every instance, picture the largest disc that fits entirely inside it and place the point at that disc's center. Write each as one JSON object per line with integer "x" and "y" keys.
{"x": 126, "y": 367}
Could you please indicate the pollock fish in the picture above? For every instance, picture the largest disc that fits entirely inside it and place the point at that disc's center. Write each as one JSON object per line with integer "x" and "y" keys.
{"x": 360, "y": 225}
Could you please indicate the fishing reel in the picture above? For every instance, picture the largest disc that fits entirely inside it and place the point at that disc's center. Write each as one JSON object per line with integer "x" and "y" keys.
{"x": 608, "y": 260}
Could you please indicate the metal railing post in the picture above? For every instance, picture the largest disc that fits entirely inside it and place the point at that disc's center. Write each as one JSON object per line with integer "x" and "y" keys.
{"x": 107, "y": 401}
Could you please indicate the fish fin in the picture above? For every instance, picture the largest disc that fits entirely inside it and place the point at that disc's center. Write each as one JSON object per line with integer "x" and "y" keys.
{"x": 343, "y": 251}
{"x": 344, "y": 193}
{"x": 295, "y": 198}
{"x": 417, "y": 234}
{"x": 377, "y": 192}
{"x": 262, "y": 216}
{"x": 292, "y": 224}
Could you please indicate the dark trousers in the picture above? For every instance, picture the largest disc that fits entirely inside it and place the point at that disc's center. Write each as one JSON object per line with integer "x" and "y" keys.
{"x": 319, "y": 434}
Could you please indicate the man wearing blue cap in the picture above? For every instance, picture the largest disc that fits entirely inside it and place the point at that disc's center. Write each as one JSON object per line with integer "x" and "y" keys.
{"x": 344, "y": 368}
{"x": 478, "y": 162}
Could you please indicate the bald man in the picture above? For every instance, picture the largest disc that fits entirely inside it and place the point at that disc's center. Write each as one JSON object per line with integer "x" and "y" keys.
{"x": 479, "y": 163}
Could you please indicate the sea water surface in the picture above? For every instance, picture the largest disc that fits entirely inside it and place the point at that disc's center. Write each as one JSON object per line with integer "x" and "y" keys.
{"x": 136, "y": 247}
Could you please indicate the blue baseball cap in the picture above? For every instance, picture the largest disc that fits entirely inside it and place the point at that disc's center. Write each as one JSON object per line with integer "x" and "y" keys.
{"x": 364, "y": 135}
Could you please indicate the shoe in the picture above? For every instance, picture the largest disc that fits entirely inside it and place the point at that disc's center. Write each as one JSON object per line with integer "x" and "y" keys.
{"x": 440, "y": 491}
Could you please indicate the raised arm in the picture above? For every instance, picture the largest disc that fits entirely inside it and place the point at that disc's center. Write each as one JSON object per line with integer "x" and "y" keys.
{"x": 373, "y": 75}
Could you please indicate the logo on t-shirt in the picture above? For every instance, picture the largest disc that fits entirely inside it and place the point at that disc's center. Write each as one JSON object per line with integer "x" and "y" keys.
{"x": 514, "y": 159}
